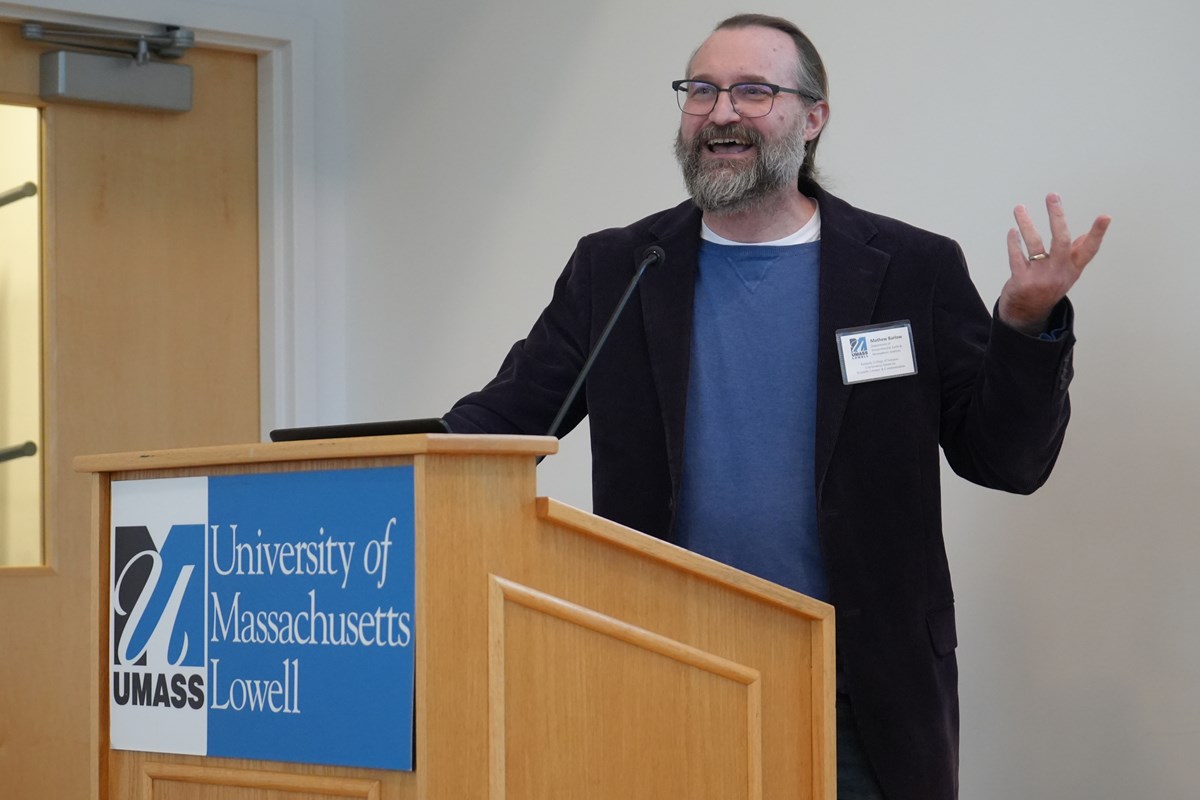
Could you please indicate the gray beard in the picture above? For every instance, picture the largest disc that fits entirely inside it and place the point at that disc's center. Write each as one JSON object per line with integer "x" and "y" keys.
{"x": 728, "y": 188}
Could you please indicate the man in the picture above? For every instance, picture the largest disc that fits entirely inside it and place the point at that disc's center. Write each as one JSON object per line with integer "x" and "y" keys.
{"x": 741, "y": 407}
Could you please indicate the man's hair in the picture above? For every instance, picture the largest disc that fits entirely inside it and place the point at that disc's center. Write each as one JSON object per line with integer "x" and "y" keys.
{"x": 810, "y": 75}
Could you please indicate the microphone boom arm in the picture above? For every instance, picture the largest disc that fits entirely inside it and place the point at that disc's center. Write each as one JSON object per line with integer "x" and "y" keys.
{"x": 654, "y": 254}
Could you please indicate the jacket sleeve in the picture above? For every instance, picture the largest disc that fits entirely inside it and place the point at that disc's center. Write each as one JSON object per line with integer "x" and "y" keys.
{"x": 1005, "y": 404}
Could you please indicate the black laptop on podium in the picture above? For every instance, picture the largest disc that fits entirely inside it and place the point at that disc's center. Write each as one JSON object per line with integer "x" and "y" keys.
{"x": 395, "y": 427}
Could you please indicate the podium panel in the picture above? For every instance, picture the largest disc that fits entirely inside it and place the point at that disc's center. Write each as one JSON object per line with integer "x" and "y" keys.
{"x": 555, "y": 668}
{"x": 557, "y": 655}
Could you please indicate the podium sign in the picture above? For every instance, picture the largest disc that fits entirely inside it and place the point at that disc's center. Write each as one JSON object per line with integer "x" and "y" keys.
{"x": 265, "y": 616}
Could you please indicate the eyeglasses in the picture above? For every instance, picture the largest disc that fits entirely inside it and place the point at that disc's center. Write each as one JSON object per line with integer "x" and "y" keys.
{"x": 749, "y": 99}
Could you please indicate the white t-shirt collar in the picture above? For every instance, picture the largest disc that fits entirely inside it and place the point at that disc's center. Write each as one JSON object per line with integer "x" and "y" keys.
{"x": 808, "y": 232}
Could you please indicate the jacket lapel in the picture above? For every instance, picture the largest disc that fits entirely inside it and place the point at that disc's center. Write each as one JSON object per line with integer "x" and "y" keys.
{"x": 852, "y": 274}
{"x": 667, "y": 300}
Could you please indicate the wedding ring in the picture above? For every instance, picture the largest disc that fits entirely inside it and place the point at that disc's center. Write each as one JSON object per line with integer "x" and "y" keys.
{"x": 1039, "y": 256}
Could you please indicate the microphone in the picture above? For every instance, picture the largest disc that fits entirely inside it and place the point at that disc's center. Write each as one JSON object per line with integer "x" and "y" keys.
{"x": 653, "y": 255}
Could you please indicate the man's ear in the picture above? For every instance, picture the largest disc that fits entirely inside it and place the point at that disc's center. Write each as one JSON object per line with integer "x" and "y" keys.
{"x": 815, "y": 117}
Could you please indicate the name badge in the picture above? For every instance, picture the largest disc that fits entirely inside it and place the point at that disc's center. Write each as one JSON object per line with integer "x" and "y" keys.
{"x": 876, "y": 352}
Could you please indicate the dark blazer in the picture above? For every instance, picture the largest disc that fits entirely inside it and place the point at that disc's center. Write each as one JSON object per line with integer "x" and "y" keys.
{"x": 995, "y": 401}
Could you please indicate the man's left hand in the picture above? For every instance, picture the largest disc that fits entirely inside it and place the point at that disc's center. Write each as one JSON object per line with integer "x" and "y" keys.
{"x": 1039, "y": 281}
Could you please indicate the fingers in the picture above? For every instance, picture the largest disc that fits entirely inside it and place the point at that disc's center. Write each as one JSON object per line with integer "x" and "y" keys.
{"x": 1016, "y": 256}
{"x": 1060, "y": 236}
{"x": 1033, "y": 241}
{"x": 1084, "y": 248}
{"x": 1098, "y": 229}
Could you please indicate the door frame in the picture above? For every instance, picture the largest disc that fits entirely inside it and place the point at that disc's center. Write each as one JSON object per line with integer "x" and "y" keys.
{"x": 301, "y": 227}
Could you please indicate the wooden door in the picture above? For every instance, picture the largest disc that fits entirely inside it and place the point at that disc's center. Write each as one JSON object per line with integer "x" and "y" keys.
{"x": 150, "y": 287}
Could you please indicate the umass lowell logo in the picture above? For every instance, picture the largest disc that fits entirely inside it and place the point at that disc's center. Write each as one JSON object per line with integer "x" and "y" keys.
{"x": 158, "y": 617}
{"x": 858, "y": 347}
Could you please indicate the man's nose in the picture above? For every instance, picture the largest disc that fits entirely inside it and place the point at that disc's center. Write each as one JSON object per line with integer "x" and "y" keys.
{"x": 723, "y": 112}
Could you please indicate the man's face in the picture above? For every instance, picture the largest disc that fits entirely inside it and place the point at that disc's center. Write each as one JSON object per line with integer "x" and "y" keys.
{"x": 731, "y": 163}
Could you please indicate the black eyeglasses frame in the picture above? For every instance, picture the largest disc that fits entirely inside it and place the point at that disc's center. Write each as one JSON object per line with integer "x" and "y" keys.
{"x": 677, "y": 86}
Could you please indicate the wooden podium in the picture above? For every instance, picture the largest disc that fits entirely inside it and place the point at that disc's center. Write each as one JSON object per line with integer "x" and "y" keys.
{"x": 558, "y": 656}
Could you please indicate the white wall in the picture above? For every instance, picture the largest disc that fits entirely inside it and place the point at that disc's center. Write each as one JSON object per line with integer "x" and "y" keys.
{"x": 484, "y": 139}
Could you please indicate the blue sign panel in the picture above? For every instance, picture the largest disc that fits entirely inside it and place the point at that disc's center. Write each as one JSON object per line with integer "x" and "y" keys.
{"x": 280, "y": 626}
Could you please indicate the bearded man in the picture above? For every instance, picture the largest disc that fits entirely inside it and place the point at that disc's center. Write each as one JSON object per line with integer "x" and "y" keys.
{"x": 739, "y": 407}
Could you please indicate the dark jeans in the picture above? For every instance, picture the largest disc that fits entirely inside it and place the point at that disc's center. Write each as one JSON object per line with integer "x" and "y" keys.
{"x": 855, "y": 779}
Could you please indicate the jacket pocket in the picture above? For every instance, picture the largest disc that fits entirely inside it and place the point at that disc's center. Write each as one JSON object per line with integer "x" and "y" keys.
{"x": 943, "y": 633}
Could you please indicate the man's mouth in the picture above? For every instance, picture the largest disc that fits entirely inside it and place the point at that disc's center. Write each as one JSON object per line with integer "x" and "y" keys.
{"x": 728, "y": 146}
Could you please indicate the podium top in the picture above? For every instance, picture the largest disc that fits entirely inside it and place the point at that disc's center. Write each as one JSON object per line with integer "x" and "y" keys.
{"x": 358, "y": 447}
